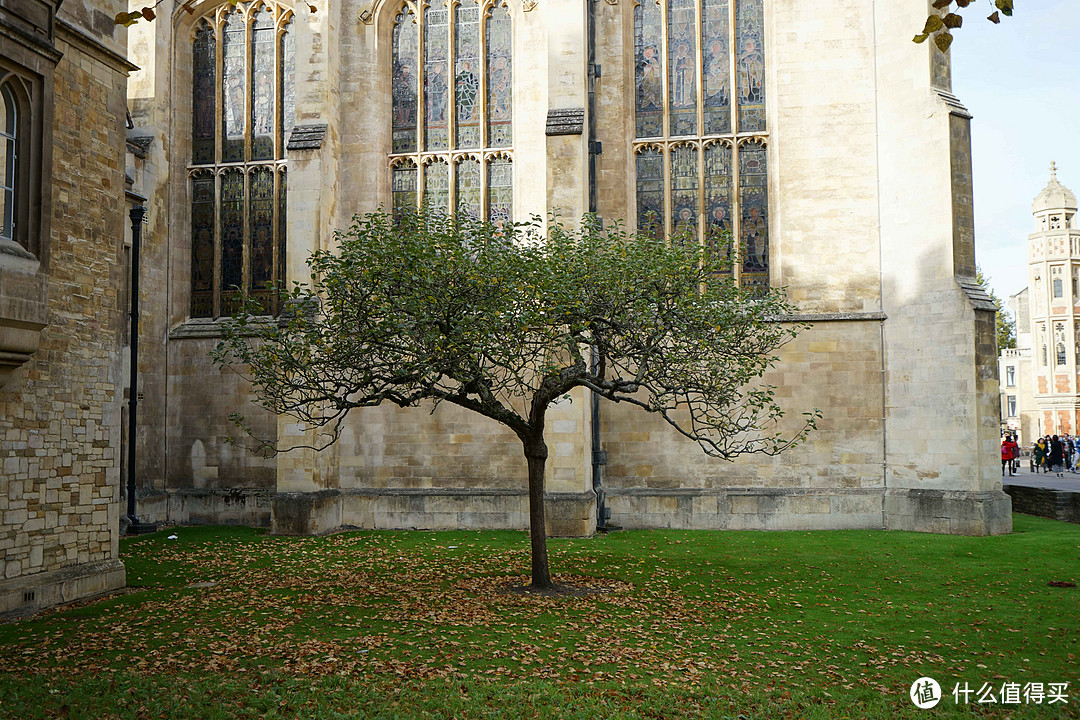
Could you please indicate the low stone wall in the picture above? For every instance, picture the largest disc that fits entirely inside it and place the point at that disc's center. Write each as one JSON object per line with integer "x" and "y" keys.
{"x": 567, "y": 514}
{"x": 235, "y": 506}
{"x": 26, "y": 594}
{"x": 1055, "y": 504}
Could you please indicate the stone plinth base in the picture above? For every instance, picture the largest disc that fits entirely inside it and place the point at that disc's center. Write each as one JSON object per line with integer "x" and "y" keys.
{"x": 27, "y": 594}
{"x": 948, "y": 511}
{"x": 746, "y": 508}
{"x": 568, "y": 514}
{"x": 195, "y": 506}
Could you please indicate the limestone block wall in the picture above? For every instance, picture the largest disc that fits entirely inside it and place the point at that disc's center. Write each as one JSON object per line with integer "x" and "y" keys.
{"x": 60, "y": 413}
{"x": 941, "y": 407}
{"x": 201, "y": 398}
{"x": 656, "y": 478}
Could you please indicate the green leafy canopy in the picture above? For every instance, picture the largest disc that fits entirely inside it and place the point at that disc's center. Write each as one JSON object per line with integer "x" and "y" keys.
{"x": 506, "y": 320}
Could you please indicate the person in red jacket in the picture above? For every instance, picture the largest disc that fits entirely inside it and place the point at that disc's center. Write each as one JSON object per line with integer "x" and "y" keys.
{"x": 1008, "y": 448}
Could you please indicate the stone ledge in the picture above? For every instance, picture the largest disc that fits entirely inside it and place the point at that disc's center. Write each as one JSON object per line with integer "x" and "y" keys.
{"x": 59, "y": 586}
{"x": 952, "y": 512}
{"x": 710, "y": 492}
{"x": 1061, "y": 505}
{"x": 306, "y": 137}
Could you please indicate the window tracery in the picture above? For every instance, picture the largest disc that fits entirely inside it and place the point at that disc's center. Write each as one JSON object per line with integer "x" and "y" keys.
{"x": 243, "y": 95}
{"x": 452, "y": 131}
{"x": 701, "y": 161}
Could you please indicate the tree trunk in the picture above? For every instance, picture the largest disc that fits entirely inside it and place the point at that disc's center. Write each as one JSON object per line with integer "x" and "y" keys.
{"x": 536, "y": 454}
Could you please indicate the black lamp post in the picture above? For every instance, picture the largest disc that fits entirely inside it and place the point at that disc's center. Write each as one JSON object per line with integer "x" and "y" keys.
{"x": 137, "y": 214}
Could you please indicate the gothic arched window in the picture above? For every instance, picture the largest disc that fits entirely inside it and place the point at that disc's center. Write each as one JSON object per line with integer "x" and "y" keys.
{"x": 699, "y": 112}
{"x": 242, "y": 109}
{"x": 451, "y": 90}
{"x": 15, "y": 171}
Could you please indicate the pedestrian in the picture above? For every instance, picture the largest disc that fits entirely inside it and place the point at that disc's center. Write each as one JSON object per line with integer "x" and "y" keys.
{"x": 1007, "y": 448}
{"x": 1016, "y": 455}
{"x": 1067, "y": 447}
{"x": 1056, "y": 456}
{"x": 1039, "y": 453}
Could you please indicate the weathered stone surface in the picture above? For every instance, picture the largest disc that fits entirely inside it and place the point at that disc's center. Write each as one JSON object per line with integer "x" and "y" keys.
{"x": 60, "y": 414}
{"x": 871, "y": 232}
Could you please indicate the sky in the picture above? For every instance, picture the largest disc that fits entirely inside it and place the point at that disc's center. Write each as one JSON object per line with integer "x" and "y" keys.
{"x": 1021, "y": 82}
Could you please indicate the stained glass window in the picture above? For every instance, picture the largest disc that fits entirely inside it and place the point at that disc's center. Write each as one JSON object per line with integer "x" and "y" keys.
{"x": 648, "y": 70}
{"x": 261, "y": 229}
{"x": 500, "y": 190}
{"x": 459, "y": 62}
{"x": 404, "y": 80}
{"x": 203, "y": 96}
{"x": 684, "y": 192}
{"x": 467, "y": 73}
{"x": 718, "y": 179}
{"x": 650, "y": 191}
{"x": 436, "y": 85}
{"x": 468, "y": 187}
{"x": 202, "y": 245}
{"x": 404, "y": 186}
{"x": 753, "y": 217}
{"x": 262, "y": 86}
{"x": 701, "y": 157}
{"x": 232, "y": 107}
{"x": 682, "y": 66}
{"x": 499, "y": 77}
{"x": 750, "y": 63}
{"x": 243, "y": 60}
{"x": 288, "y": 89}
{"x": 716, "y": 67}
{"x": 437, "y": 186}
{"x": 232, "y": 238}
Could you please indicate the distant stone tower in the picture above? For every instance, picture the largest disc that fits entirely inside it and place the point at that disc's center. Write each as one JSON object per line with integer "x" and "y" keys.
{"x": 1054, "y": 268}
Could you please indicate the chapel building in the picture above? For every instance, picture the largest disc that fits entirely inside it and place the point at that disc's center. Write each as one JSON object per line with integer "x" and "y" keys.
{"x": 817, "y": 134}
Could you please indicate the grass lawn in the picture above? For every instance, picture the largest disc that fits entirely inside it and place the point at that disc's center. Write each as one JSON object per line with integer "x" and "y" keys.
{"x": 233, "y": 623}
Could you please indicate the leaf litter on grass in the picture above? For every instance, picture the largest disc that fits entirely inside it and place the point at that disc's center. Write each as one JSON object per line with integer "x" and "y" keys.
{"x": 408, "y": 607}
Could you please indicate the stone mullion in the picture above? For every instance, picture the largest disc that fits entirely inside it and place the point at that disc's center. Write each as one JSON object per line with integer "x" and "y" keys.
{"x": 279, "y": 85}
{"x": 451, "y": 84}
{"x": 699, "y": 88}
{"x": 733, "y": 80}
{"x": 274, "y": 237}
{"x": 665, "y": 115}
{"x": 421, "y": 73}
{"x": 700, "y": 145}
{"x": 482, "y": 51}
{"x": 736, "y": 213}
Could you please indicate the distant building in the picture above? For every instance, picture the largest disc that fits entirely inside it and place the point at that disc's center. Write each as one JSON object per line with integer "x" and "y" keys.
{"x": 1048, "y": 324}
{"x": 1018, "y": 414}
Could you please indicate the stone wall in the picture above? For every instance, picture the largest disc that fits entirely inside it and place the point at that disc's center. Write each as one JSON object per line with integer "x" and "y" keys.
{"x": 871, "y": 234}
{"x": 1044, "y": 502}
{"x": 60, "y": 413}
